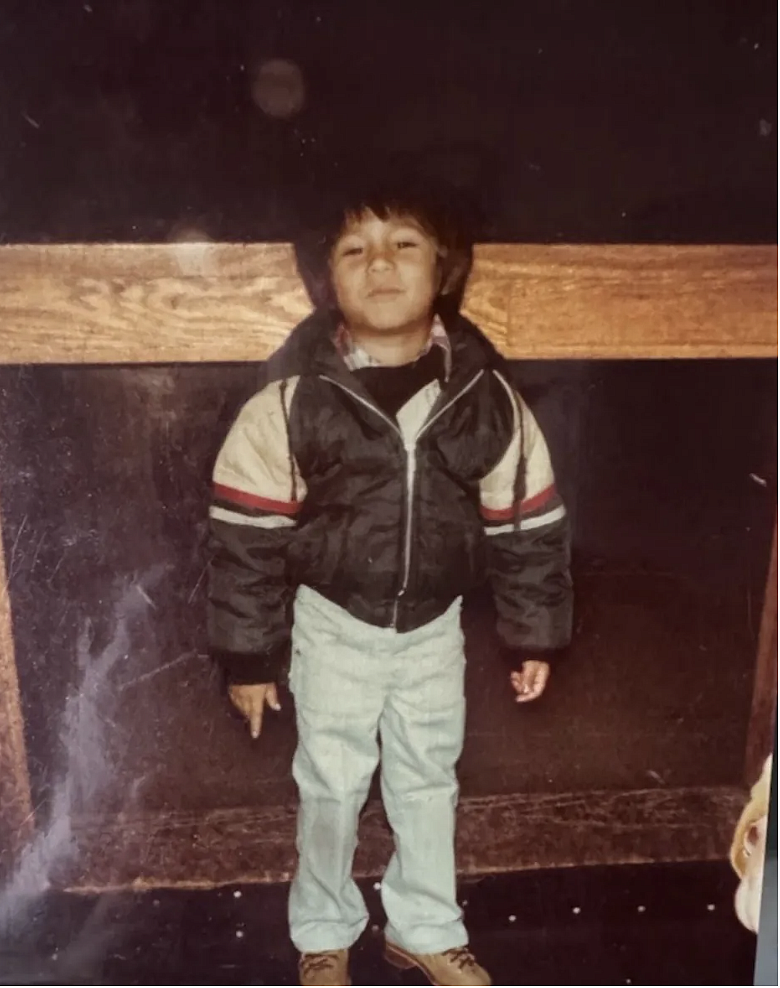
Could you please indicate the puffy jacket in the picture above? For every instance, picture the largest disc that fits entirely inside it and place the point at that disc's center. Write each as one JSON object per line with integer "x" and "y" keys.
{"x": 390, "y": 519}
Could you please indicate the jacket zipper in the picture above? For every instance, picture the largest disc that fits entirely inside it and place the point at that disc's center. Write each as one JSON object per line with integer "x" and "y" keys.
{"x": 410, "y": 449}
{"x": 411, "y": 474}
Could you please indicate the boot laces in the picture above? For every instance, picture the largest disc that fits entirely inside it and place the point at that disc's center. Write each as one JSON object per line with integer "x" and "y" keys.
{"x": 461, "y": 957}
{"x": 313, "y": 963}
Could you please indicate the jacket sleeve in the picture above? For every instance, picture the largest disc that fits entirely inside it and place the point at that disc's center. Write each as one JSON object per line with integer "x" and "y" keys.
{"x": 527, "y": 544}
{"x": 257, "y": 495}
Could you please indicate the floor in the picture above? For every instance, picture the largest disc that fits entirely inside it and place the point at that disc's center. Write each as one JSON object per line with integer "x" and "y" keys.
{"x": 652, "y": 925}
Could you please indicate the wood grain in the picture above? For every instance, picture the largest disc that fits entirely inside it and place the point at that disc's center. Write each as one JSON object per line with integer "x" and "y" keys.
{"x": 495, "y": 834}
{"x": 16, "y": 815}
{"x": 136, "y": 303}
{"x": 643, "y": 302}
{"x": 761, "y": 727}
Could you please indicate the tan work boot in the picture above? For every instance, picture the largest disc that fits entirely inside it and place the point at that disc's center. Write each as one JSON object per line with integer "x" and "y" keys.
{"x": 326, "y": 967}
{"x": 451, "y": 967}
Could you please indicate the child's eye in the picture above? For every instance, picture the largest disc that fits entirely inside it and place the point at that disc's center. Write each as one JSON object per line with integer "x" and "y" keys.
{"x": 406, "y": 243}
{"x": 351, "y": 251}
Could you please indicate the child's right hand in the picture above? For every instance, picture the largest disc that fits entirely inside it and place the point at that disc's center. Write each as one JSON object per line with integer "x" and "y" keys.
{"x": 250, "y": 701}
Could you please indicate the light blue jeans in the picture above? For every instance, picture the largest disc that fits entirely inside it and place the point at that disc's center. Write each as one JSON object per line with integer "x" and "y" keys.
{"x": 353, "y": 684}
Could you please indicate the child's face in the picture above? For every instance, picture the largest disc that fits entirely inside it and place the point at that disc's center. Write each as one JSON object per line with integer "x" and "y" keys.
{"x": 385, "y": 273}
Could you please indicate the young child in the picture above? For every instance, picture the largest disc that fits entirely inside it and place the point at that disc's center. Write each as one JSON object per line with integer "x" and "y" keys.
{"x": 386, "y": 468}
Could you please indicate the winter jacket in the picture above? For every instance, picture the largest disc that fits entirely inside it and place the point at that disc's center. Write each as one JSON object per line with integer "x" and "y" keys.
{"x": 391, "y": 518}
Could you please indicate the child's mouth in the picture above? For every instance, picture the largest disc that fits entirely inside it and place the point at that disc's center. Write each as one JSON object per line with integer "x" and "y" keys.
{"x": 384, "y": 292}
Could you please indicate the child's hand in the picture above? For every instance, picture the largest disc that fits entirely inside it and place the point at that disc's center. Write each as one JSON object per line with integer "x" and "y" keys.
{"x": 530, "y": 682}
{"x": 251, "y": 700}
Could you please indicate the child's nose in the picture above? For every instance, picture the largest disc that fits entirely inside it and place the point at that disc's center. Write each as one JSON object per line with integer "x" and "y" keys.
{"x": 379, "y": 259}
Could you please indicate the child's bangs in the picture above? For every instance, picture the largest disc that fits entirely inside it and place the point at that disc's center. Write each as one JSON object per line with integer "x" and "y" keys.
{"x": 388, "y": 210}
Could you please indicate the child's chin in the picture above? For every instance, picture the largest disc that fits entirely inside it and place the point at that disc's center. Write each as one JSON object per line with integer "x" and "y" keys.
{"x": 389, "y": 322}
{"x": 390, "y": 326}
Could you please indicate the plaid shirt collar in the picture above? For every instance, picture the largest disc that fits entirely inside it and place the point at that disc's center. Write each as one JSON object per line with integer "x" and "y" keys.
{"x": 355, "y": 357}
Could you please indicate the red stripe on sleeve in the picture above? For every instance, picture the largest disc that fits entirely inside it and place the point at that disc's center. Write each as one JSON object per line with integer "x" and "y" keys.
{"x": 538, "y": 500}
{"x": 497, "y": 514}
{"x": 527, "y": 506}
{"x": 254, "y": 501}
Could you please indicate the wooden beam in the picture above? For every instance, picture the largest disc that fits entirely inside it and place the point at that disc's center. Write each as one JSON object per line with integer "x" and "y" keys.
{"x": 761, "y": 726}
{"x": 16, "y": 815}
{"x": 136, "y": 303}
{"x": 495, "y": 834}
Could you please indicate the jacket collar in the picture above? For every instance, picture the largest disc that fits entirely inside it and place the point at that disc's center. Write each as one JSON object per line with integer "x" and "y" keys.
{"x": 355, "y": 357}
{"x": 310, "y": 350}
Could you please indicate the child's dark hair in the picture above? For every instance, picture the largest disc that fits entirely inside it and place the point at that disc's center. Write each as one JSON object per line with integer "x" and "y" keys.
{"x": 438, "y": 213}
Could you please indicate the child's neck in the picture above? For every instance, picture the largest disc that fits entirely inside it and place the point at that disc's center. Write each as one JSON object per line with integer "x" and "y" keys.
{"x": 393, "y": 347}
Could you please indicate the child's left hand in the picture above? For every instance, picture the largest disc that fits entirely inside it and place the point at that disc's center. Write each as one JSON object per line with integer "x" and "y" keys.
{"x": 530, "y": 682}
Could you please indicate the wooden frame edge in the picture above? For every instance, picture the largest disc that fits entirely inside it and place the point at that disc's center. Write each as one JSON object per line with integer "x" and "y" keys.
{"x": 495, "y": 834}
{"x": 16, "y": 812}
